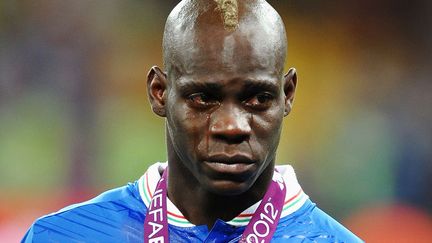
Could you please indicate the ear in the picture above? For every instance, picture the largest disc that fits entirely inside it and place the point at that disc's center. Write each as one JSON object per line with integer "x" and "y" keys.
{"x": 290, "y": 83}
{"x": 156, "y": 88}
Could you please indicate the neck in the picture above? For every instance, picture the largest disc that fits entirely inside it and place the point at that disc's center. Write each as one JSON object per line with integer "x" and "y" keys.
{"x": 202, "y": 207}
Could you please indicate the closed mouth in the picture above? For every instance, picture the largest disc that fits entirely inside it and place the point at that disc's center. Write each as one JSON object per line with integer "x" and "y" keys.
{"x": 234, "y": 167}
{"x": 230, "y": 159}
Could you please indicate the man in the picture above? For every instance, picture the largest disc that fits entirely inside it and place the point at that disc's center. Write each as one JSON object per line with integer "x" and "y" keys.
{"x": 224, "y": 95}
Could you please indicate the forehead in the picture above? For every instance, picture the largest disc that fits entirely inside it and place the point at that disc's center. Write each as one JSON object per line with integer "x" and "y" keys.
{"x": 208, "y": 49}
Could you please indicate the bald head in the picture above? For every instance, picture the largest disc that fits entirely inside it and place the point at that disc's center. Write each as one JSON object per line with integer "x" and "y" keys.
{"x": 204, "y": 35}
{"x": 223, "y": 93}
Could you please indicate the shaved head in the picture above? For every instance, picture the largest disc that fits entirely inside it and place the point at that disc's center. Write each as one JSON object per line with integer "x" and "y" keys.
{"x": 223, "y": 94}
{"x": 201, "y": 32}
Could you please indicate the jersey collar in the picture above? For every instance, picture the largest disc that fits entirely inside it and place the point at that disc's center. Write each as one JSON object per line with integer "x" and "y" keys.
{"x": 294, "y": 198}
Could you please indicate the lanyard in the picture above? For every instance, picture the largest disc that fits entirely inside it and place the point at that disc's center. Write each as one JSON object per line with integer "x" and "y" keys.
{"x": 260, "y": 228}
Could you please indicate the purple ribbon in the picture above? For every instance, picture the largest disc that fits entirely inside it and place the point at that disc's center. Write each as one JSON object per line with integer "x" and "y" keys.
{"x": 266, "y": 218}
{"x": 156, "y": 222}
{"x": 259, "y": 230}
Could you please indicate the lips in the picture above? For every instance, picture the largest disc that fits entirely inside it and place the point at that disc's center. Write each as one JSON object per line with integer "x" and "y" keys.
{"x": 233, "y": 167}
{"x": 231, "y": 159}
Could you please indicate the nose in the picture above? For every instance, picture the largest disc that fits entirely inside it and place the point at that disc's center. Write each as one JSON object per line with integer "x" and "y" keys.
{"x": 230, "y": 124}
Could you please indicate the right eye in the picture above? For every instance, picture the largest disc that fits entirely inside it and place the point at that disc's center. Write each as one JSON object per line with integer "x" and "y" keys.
{"x": 202, "y": 100}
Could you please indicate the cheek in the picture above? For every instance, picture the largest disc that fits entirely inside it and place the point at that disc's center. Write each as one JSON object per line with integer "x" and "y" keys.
{"x": 186, "y": 127}
{"x": 267, "y": 134}
{"x": 268, "y": 122}
{"x": 267, "y": 127}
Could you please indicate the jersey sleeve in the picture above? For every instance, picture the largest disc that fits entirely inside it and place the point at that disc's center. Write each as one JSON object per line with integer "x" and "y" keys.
{"x": 333, "y": 228}
{"x": 114, "y": 216}
{"x": 311, "y": 224}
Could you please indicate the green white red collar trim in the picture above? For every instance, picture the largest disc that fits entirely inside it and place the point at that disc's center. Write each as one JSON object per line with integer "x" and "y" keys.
{"x": 294, "y": 198}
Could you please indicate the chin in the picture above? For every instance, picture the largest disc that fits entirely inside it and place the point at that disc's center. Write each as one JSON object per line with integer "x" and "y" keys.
{"x": 228, "y": 188}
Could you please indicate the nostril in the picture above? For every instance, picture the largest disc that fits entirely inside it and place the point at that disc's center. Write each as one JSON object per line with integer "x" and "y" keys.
{"x": 231, "y": 138}
{"x": 230, "y": 125}
{"x": 231, "y": 132}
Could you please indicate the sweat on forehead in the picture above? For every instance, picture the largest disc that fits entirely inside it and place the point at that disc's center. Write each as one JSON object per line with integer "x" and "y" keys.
{"x": 196, "y": 38}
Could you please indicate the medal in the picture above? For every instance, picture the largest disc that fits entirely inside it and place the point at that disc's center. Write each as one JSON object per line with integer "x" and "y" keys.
{"x": 260, "y": 228}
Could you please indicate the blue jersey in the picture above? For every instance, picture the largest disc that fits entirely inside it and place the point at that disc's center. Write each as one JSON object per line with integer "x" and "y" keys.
{"x": 118, "y": 216}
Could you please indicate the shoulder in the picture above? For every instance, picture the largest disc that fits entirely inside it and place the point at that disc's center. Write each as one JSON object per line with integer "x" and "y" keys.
{"x": 113, "y": 216}
{"x": 305, "y": 221}
{"x": 311, "y": 223}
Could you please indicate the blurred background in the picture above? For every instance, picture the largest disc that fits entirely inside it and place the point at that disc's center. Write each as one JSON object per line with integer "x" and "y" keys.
{"x": 75, "y": 120}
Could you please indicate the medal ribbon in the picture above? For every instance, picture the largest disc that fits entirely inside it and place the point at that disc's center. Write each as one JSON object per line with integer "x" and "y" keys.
{"x": 156, "y": 222}
{"x": 260, "y": 229}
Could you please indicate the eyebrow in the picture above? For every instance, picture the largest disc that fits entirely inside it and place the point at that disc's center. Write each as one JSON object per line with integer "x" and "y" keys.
{"x": 192, "y": 86}
{"x": 249, "y": 85}
{"x": 254, "y": 85}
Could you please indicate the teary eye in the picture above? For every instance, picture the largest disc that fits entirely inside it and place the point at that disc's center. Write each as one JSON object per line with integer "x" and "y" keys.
{"x": 260, "y": 101}
{"x": 202, "y": 100}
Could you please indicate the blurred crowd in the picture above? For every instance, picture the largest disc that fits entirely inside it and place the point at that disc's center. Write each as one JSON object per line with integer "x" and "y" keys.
{"x": 75, "y": 121}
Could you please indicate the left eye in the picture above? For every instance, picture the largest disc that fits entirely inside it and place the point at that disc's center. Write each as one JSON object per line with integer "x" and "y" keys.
{"x": 260, "y": 101}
